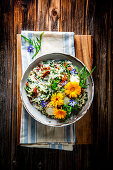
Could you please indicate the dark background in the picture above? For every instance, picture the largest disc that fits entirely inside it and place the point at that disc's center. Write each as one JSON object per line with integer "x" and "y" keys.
{"x": 83, "y": 17}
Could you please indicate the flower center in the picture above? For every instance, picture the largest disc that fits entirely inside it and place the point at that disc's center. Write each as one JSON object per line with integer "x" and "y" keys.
{"x": 72, "y": 89}
{"x": 56, "y": 98}
{"x": 60, "y": 112}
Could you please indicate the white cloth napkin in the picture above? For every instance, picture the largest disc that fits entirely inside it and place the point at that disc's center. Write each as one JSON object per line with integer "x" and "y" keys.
{"x": 33, "y": 133}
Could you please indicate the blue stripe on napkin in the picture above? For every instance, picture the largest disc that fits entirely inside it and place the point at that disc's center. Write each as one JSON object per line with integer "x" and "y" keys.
{"x": 66, "y": 43}
{"x": 26, "y": 126}
{"x": 60, "y": 146}
{"x": 32, "y": 130}
{"x": 67, "y": 51}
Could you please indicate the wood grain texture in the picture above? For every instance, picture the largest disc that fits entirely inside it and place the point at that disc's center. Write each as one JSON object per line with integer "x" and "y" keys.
{"x": 19, "y": 75}
{"x": 83, "y": 50}
{"x": 91, "y": 17}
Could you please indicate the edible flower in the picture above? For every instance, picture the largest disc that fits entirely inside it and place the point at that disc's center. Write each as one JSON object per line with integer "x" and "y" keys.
{"x": 73, "y": 71}
{"x": 44, "y": 104}
{"x": 30, "y": 48}
{"x": 60, "y": 114}
{"x": 72, "y": 89}
{"x": 72, "y": 102}
{"x": 57, "y": 99}
{"x": 63, "y": 83}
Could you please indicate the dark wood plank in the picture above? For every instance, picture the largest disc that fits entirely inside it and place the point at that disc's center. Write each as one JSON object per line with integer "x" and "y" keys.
{"x": 6, "y": 58}
{"x": 19, "y": 75}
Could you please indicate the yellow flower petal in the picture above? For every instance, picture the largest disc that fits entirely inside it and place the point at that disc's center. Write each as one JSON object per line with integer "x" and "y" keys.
{"x": 57, "y": 99}
{"x": 72, "y": 89}
{"x": 60, "y": 114}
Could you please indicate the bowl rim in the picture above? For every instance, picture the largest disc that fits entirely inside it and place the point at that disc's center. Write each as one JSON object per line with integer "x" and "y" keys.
{"x": 78, "y": 117}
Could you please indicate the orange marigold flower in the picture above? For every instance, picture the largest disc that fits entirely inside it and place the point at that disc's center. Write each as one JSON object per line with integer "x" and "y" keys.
{"x": 60, "y": 114}
{"x": 72, "y": 89}
{"x": 57, "y": 99}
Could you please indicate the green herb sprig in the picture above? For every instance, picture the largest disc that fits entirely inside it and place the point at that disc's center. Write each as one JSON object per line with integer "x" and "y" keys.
{"x": 68, "y": 73}
{"x": 54, "y": 84}
{"x": 83, "y": 74}
{"x": 36, "y": 44}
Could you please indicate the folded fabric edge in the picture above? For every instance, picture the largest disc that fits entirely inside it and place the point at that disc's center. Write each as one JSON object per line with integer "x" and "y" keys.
{"x": 35, "y": 32}
{"x": 66, "y": 147}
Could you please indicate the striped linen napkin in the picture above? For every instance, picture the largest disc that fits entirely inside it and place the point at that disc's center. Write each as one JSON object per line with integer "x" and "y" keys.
{"x": 33, "y": 133}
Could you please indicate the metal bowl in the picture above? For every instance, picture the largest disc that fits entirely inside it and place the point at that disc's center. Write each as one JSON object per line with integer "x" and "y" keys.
{"x": 37, "y": 115}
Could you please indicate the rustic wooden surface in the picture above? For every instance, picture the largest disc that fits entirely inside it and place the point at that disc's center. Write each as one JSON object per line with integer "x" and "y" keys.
{"x": 19, "y": 76}
{"x": 83, "y": 50}
{"x": 93, "y": 17}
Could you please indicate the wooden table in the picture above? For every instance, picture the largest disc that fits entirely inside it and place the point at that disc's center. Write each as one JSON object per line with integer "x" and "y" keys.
{"x": 84, "y": 17}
